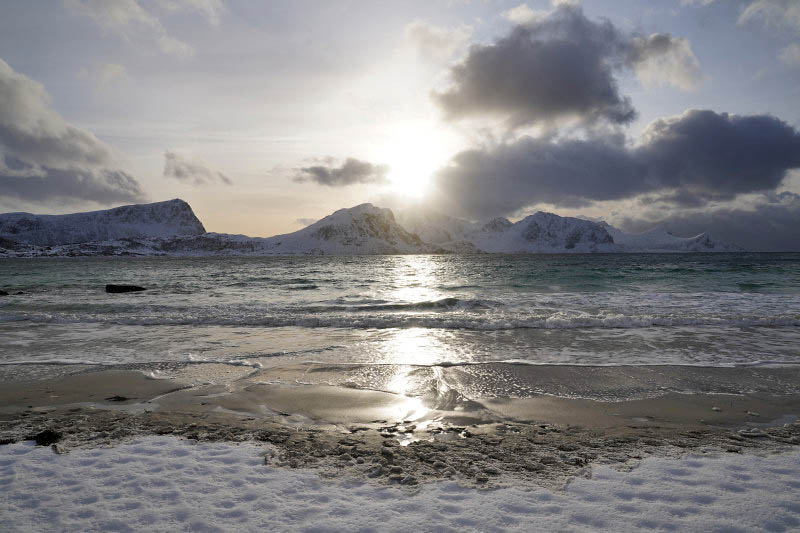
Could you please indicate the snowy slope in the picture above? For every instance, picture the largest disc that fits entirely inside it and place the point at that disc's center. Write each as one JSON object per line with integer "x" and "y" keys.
{"x": 547, "y": 233}
{"x": 171, "y": 228}
{"x": 156, "y": 220}
{"x": 543, "y": 232}
{"x": 660, "y": 240}
{"x": 363, "y": 229}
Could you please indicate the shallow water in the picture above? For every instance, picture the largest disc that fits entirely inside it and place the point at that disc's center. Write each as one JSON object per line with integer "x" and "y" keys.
{"x": 692, "y": 309}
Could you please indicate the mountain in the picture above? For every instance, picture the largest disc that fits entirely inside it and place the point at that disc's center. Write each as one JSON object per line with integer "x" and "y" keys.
{"x": 660, "y": 240}
{"x": 537, "y": 233}
{"x": 157, "y": 220}
{"x": 363, "y": 229}
{"x": 547, "y": 233}
{"x": 171, "y": 228}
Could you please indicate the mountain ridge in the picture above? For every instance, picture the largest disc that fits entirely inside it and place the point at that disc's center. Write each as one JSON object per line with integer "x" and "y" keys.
{"x": 171, "y": 228}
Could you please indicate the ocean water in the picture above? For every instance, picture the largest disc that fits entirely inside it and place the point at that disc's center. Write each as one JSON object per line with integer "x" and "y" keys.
{"x": 621, "y": 309}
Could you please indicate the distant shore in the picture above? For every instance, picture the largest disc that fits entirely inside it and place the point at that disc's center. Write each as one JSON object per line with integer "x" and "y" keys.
{"x": 315, "y": 416}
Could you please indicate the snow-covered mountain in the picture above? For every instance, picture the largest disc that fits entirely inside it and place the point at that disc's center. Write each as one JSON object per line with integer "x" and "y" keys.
{"x": 547, "y": 233}
{"x": 157, "y": 220}
{"x": 537, "y": 233}
{"x": 364, "y": 229}
{"x": 171, "y": 228}
{"x": 660, "y": 240}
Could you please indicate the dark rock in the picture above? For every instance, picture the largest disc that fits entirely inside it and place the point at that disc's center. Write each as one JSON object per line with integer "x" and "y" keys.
{"x": 46, "y": 437}
{"x": 112, "y": 288}
{"x": 3, "y": 293}
{"x": 117, "y": 399}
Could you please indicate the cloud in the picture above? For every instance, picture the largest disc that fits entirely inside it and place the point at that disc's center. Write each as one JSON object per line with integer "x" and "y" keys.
{"x": 183, "y": 169}
{"x": 43, "y": 157}
{"x": 523, "y": 14}
{"x": 769, "y": 223}
{"x": 661, "y": 59}
{"x": 351, "y": 172}
{"x": 131, "y": 22}
{"x": 775, "y": 13}
{"x": 305, "y": 221}
{"x": 211, "y": 10}
{"x": 435, "y": 42}
{"x": 561, "y": 68}
{"x": 688, "y": 160}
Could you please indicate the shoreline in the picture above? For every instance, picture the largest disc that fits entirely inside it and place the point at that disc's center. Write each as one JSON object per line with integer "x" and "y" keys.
{"x": 432, "y": 426}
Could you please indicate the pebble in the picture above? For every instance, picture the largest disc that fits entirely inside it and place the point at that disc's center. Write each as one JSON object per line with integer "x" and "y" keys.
{"x": 716, "y": 409}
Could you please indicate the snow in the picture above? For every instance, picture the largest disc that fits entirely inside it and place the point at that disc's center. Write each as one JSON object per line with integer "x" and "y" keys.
{"x": 167, "y": 484}
{"x": 156, "y": 220}
{"x": 171, "y": 228}
{"x": 547, "y": 233}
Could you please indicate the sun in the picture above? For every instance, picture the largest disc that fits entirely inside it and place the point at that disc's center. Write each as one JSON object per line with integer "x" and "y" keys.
{"x": 413, "y": 155}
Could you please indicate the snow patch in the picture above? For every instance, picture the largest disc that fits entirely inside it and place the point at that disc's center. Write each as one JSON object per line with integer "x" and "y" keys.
{"x": 163, "y": 483}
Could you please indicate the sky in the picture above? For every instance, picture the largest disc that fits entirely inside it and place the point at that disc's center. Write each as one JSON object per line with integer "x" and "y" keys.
{"x": 266, "y": 116}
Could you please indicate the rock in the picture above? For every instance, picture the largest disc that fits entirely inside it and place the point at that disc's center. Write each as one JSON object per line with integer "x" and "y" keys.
{"x": 439, "y": 465}
{"x": 716, "y": 409}
{"x": 375, "y": 471}
{"x": 345, "y": 457}
{"x": 3, "y": 293}
{"x": 548, "y": 460}
{"x": 481, "y": 478}
{"x": 396, "y": 477}
{"x": 396, "y": 470}
{"x": 47, "y": 437}
{"x": 409, "y": 480}
{"x": 112, "y": 288}
{"x": 386, "y": 452}
{"x": 117, "y": 398}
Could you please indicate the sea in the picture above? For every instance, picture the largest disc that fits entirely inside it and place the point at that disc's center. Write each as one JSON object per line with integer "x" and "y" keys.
{"x": 577, "y": 309}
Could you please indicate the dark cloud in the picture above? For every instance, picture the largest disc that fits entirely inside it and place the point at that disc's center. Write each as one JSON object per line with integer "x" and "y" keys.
{"x": 183, "y": 169}
{"x": 352, "y": 171}
{"x": 688, "y": 160}
{"x": 44, "y": 158}
{"x": 102, "y": 186}
{"x": 561, "y": 67}
{"x": 769, "y": 225}
{"x": 716, "y": 155}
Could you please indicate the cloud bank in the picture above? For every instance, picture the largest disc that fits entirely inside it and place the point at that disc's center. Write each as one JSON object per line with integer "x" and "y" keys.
{"x": 688, "y": 160}
{"x": 196, "y": 172}
{"x": 351, "y": 172}
{"x": 44, "y": 159}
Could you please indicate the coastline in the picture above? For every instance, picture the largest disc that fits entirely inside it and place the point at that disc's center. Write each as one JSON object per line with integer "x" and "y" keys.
{"x": 412, "y": 425}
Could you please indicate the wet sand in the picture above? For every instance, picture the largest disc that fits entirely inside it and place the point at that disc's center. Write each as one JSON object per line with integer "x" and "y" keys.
{"x": 485, "y": 425}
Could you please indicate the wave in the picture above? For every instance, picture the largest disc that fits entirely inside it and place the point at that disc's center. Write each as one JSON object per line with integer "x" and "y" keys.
{"x": 557, "y": 321}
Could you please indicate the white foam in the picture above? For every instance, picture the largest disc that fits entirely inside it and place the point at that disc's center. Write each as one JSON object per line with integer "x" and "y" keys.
{"x": 167, "y": 484}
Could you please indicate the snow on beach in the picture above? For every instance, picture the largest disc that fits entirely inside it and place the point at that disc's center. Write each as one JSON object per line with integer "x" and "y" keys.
{"x": 165, "y": 483}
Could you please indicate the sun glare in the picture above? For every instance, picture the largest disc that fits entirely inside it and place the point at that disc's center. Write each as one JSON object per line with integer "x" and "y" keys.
{"x": 413, "y": 155}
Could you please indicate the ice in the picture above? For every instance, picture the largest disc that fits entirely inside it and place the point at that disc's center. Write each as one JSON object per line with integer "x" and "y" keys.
{"x": 164, "y": 483}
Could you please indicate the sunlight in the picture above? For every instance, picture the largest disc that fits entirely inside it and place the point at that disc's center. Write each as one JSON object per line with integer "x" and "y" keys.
{"x": 413, "y": 155}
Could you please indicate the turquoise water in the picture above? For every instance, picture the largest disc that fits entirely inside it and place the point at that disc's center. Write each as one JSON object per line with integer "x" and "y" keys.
{"x": 707, "y": 309}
